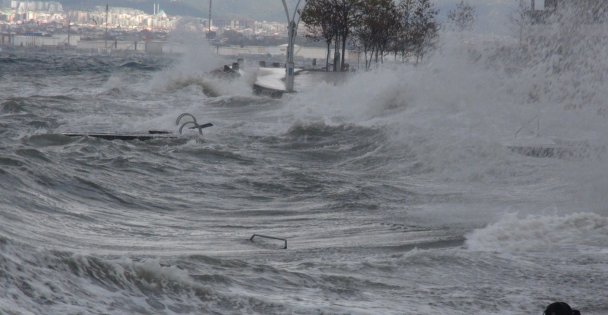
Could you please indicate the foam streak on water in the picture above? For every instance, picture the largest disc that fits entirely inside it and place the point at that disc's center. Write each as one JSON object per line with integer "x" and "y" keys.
{"x": 396, "y": 189}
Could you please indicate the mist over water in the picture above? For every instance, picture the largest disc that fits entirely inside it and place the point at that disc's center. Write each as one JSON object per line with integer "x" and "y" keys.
{"x": 396, "y": 188}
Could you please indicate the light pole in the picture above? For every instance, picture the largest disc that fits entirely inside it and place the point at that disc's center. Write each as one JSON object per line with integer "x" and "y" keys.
{"x": 292, "y": 26}
{"x": 68, "y": 32}
{"x": 106, "y": 33}
{"x": 210, "y": 5}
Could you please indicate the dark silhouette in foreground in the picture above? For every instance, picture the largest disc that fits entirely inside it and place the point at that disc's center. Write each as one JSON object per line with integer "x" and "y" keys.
{"x": 560, "y": 308}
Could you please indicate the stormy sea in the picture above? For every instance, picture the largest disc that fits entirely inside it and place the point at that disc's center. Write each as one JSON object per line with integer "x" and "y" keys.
{"x": 406, "y": 189}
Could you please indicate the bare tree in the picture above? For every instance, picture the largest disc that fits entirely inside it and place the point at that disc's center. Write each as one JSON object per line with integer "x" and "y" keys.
{"x": 318, "y": 17}
{"x": 463, "y": 17}
{"x": 521, "y": 18}
{"x": 425, "y": 28}
{"x": 403, "y": 43}
{"x": 347, "y": 12}
{"x": 377, "y": 28}
{"x": 332, "y": 20}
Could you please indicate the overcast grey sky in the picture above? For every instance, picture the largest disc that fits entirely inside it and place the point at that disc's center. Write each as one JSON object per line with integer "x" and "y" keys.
{"x": 493, "y": 15}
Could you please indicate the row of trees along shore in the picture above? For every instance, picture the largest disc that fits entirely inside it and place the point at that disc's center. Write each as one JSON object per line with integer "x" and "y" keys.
{"x": 408, "y": 28}
{"x": 378, "y": 28}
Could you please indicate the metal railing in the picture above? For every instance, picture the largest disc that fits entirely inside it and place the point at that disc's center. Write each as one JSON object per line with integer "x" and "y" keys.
{"x": 192, "y": 122}
{"x": 270, "y": 237}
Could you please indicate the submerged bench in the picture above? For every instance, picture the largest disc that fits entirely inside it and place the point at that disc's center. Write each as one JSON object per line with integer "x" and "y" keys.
{"x": 152, "y": 134}
{"x": 142, "y": 136}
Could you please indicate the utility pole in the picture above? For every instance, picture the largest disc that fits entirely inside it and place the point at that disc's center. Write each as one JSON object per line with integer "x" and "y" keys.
{"x": 68, "y": 32}
{"x": 210, "y": 5}
{"x": 292, "y": 27}
{"x": 106, "y": 34}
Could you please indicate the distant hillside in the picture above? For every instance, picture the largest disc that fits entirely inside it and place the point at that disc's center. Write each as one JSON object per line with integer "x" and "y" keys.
{"x": 271, "y": 10}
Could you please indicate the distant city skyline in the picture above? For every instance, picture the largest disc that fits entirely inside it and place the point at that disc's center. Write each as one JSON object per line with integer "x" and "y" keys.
{"x": 493, "y": 15}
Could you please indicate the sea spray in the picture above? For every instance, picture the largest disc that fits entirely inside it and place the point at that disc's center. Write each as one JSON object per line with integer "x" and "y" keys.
{"x": 393, "y": 199}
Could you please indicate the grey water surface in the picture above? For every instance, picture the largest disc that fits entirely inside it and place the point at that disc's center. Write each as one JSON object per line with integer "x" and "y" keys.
{"x": 392, "y": 199}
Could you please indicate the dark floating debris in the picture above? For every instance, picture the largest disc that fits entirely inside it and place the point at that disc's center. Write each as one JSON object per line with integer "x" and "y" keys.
{"x": 227, "y": 72}
{"x": 564, "y": 150}
{"x": 152, "y": 134}
{"x": 144, "y": 136}
{"x": 544, "y": 151}
{"x": 270, "y": 237}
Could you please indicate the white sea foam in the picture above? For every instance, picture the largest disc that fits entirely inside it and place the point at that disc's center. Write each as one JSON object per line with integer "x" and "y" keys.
{"x": 397, "y": 158}
{"x": 542, "y": 233}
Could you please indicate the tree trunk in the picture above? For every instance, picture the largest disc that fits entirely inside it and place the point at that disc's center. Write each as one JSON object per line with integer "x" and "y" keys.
{"x": 343, "y": 51}
{"x": 336, "y": 53}
{"x": 328, "y": 54}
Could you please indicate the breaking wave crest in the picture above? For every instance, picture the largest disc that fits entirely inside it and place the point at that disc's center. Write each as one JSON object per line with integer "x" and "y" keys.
{"x": 542, "y": 233}
{"x": 104, "y": 285}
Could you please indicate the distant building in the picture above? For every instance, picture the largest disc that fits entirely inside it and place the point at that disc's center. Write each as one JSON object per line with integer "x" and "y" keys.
{"x": 47, "y": 6}
{"x": 6, "y": 15}
{"x": 41, "y": 40}
{"x": 6, "y": 39}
